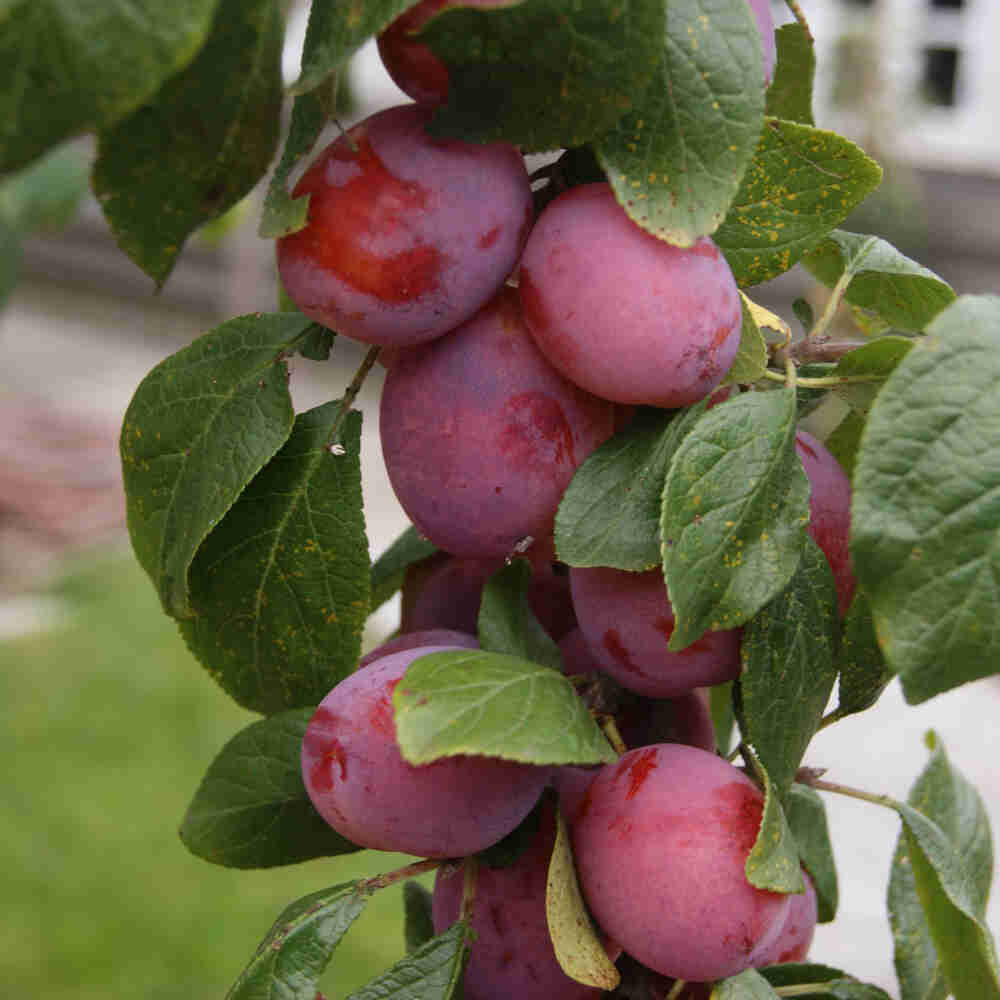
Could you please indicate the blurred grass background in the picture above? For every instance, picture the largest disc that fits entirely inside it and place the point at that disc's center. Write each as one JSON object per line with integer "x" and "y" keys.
{"x": 111, "y": 724}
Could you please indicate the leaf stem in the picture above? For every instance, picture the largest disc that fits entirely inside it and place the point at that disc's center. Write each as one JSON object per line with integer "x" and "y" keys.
{"x": 794, "y": 7}
{"x": 854, "y": 793}
{"x": 369, "y": 885}
{"x": 830, "y": 718}
{"x": 832, "y": 304}
{"x": 350, "y": 394}
{"x": 826, "y": 382}
{"x": 802, "y": 990}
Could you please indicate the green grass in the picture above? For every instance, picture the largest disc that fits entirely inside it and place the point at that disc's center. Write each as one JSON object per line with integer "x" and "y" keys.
{"x": 111, "y": 724}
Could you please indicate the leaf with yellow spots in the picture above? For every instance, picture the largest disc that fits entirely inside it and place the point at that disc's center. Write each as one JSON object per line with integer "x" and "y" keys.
{"x": 676, "y": 160}
{"x": 801, "y": 184}
{"x": 544, "y": 73}
{"x": 735, "y": 504}
{"x": 200, "y": 426}
{"x": 751, "y": 356}
{"x": 788, "y": 667}
{"x": 281, "y": 587}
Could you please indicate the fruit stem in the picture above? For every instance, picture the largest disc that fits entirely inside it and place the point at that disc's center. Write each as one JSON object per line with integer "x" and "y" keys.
{"x": 610, "y": 729}
{"x": 854, "y": 793}
{"x": 471, "y": 873}
{"x": 675, "y": 990}
{"x": 350, "y": 394}
{"x": 370, "y": 885}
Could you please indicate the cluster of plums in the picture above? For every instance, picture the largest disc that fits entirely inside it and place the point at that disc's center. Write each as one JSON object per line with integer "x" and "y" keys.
{"x": 514, "y": 347}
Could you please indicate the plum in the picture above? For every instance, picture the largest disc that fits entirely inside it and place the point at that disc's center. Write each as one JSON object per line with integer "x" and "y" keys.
{"x": 627, "y": 621}
{"x": 621, "y": 313}
{"x": 660, "y": 843}
{"x": 407, "y": 235}
{"x": 361, "y": 785}
{"x": 511, "y": 956}
{"x": 481, "y": 435}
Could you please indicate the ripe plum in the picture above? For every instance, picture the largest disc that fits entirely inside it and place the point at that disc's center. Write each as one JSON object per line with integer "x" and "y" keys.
{"x": 621, "y": 313}
{"x": 481, "y": 436}
{"x": 443, "y": 591}
{"x": 765, "y": 25}
{"x": 829, "y": 512}
{"x": 660, "y": 843}
{"x": 412, "y": 640}
{"x": 407, "y": 235}
{"x": 512, "y": 954}
{"x": 792, "y": 944}
{"x": 414, "y": 67}
{"x": 627, "y": 620}
{"x": 361, "y": 785}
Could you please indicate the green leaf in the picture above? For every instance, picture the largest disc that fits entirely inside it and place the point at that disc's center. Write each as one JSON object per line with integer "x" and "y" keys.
{"x": 610, "y": 513}
{"x": 898, "y": 290}
{"x": 951, "y": 908}
{"x": 47, "y": 194}
{"x": 296, "y": 950}
{"x": 845, "y": 440}
{"x": 67, "y": 67}
{"x": 748, "y": 985}
{"x": 200, "y": 426}
{"x": 791, "y": 91}
{"x": 475, "y": 702}
{"x": 836, "y": 985}
{"x": 750, "y": 362}
{"x": 336, "y": 31}
{"x": 418, "y": 927}
{"x": 280, "y": 588}
{"x": 723, "y": 716}
{"x": 675, "y": 161}
{"x": 281, "y": 213}
{"x": 251, "y": 809}
{"x": 864, "y": 673}
{"x": 879, "y": 358}
{"x": 543, "y": 73}
{"x": 579, "y": 950}
{"x": 773, "y": 861}
{"x": 788, "y": 667}
{"x": 389, "y": 568}
{"x": 734, "y": 508}
{"x": 944, "y": 796}
{"x": 806, "y": 815}
{"x": 801, "y": 183}
{"x": 506, "y": 622}
{"x": 932, "y": 569}
{"x": 431, "y": 972}
{"x": 317, "y": 343}
{"x": 201, "y": 144}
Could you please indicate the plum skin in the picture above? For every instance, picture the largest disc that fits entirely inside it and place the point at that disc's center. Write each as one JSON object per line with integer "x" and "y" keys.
{"x": 627, "y": 620}
{"x": 829, "y": 512}
{"x": 512, "y": 955}
{"x": 481, "y": 435}
{"x": 361, "y": 785}
{"x": 407, "y": 235}
{"x": 623, "y": 314}
{"x": 660, "y": 843}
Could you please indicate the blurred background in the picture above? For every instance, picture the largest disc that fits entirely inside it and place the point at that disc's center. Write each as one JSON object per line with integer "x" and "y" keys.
{"x": 112, "y": 723}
